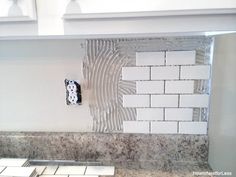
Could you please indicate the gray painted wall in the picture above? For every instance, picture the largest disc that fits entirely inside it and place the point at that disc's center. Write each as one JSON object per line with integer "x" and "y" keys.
{"x": 222, "y": 126}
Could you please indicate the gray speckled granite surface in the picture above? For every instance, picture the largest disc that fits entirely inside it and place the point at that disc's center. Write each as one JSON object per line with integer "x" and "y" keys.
{"x": 129, "y": 150}
{"x": 177, "y": 171}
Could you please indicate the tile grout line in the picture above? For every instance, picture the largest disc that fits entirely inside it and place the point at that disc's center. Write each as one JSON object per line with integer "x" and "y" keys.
{"x": 178, "y": 127}
{"x": 167, "y": 79}
{"x": 164, "y": 58}
{"x": 150, "y": 73}
{"x": 177, "y": 93}
{"x": 178, "y": 100}
{"x": 3, "y": 169}
{"x": 179, "y": 71}
{"x": 150, "y": 102}
{"x": 164, "y": 87}
{"x": 182, "y": 107}
{"x": 85, "y": 170}
{"x": 43, "y": 170}
{"x": 164, "y": 115}
{"x": 56, "y": 170}
{"x": 150, "y": 130}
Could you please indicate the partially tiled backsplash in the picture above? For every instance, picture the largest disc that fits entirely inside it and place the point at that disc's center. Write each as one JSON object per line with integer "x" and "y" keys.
{"x": 165, "y": 95}
{"x": 157, "y": 86}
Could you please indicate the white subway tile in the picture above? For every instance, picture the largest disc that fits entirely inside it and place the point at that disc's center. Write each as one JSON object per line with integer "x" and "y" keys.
{"x": 164, "y": 127}
{"x": 179, "y": 114}
{"x": 194, "y": 100}
{"x": 63, "y": 176}
{"x": 9, "y": 162}
{"x": 150, "y": 87}
{"x": 136, "y": 127}
{"x": 165, "y": 72}
{"x": 136, "y": 100}
{"x": 135, "y": 73}
{"x": 195, "y": 72}
{"x": 193, "y": 127}
{"x": 180, "y": 57}
{"x": 150, "y": 58}
{"x": 164, "y": 101}
{"x": 179, "y": 86}
{"x": 71, "y": 170}
{"x": 149, "y": 113}
{"x": 18, "y": 172}
{"x": 50, "y": 170}
{"x": 99, "y": 170}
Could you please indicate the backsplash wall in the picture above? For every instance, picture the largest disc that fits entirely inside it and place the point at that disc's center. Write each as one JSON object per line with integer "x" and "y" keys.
{"x": 97, "y": 66}
{"x": 149, "y": 85}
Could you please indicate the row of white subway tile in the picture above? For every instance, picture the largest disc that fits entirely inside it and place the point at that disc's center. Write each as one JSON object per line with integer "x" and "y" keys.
{"x": 195, "y": 72}
{"x": 160, "y": 87}
{"x": 168, "y": 114}
{"x": 182, "y": 101}
{"x": 166, "y": 58}
{"x": 165, "y": 127}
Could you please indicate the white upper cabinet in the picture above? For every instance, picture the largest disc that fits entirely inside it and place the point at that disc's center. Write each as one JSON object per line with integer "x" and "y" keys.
{"x": 17, "y": 10}
{"x": 18, "y": 18}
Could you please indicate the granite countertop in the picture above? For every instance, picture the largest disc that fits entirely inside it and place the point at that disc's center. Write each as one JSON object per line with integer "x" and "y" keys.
{"x": 132, "y": 155}
{"x": 177, "y": 171}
